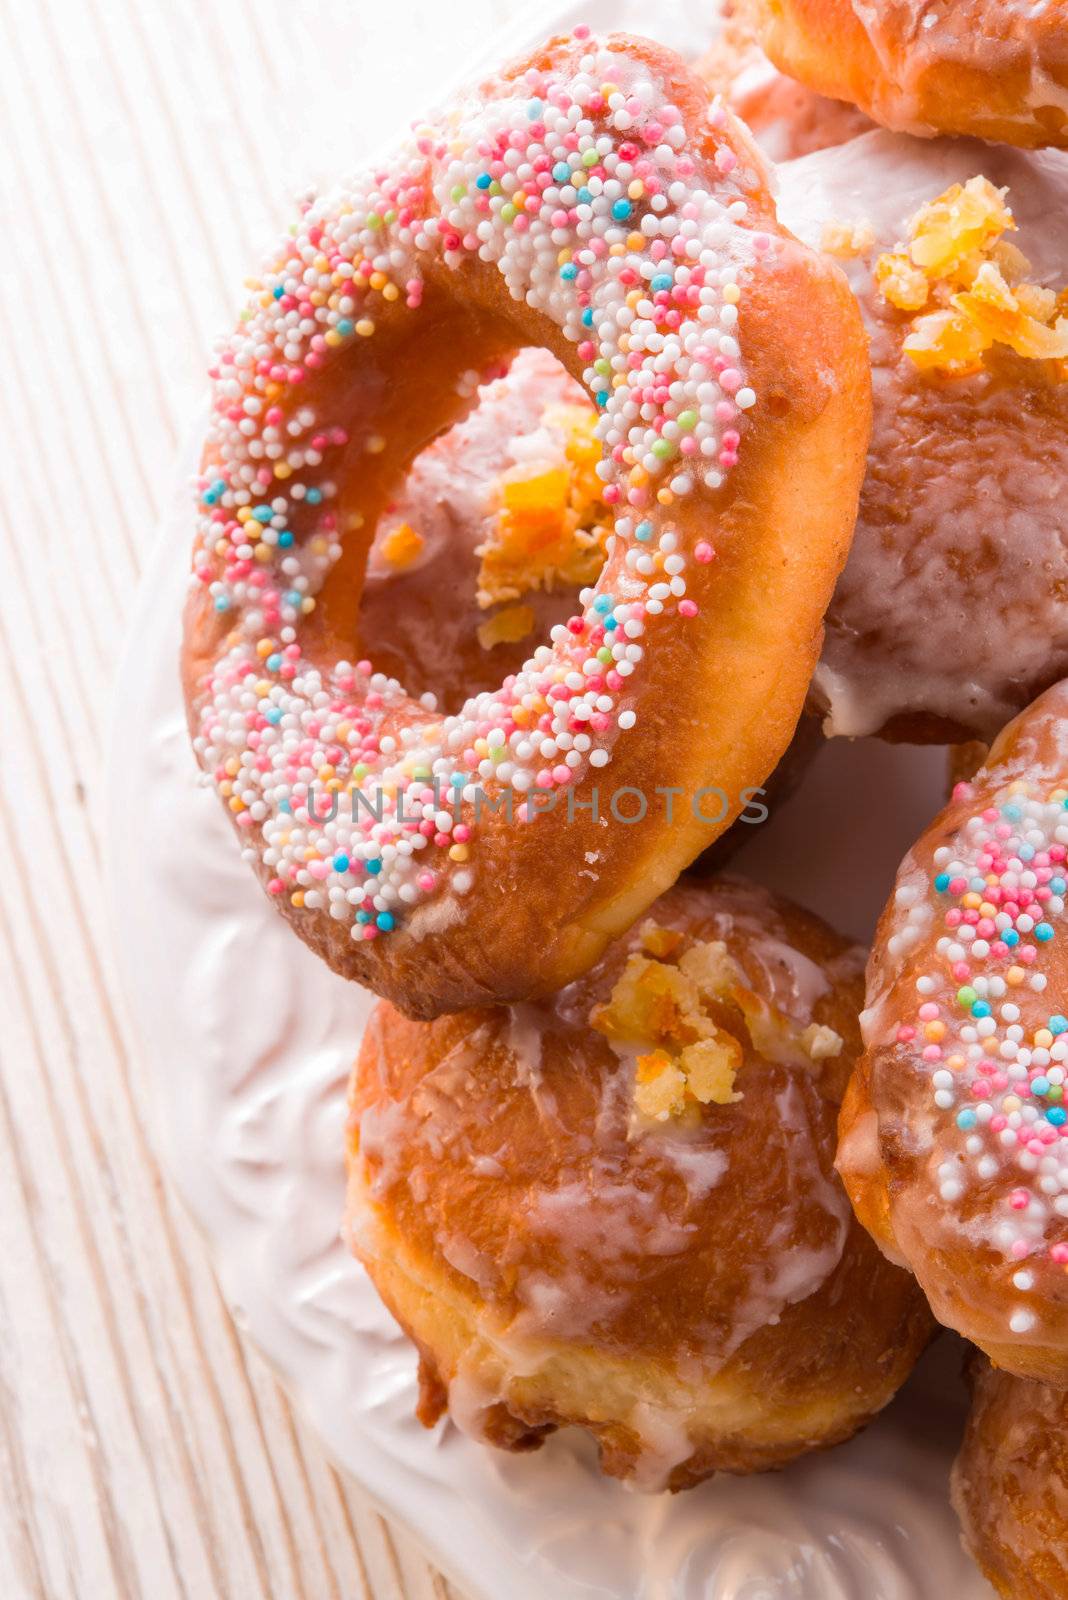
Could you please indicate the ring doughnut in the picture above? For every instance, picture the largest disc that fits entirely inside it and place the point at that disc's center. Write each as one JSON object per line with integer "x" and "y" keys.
{"x": 729, "y": 363}
{"x": 952, "y": 612}
{"x": 617, "y": 1209}
{"x": 993, "y": 69}
{"x": 1010, "y": 1483}
{"x": 954, "y": 1139}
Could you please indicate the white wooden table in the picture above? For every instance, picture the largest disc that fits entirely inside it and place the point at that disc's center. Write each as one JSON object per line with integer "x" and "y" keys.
{"x": 150, "y": 153}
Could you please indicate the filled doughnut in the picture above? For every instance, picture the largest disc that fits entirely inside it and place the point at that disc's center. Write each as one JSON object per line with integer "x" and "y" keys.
{"x": 1010, "y": 1484}
{"x": 491, "y": 536}
{"x": 992, "y": 69}
{"x": 952, "y": 612}
{"x": 586, "y": 200}
{"x": 954, "y": 1131}
{"x": 786, "y": 119}
{"x": 618, "y": 1209}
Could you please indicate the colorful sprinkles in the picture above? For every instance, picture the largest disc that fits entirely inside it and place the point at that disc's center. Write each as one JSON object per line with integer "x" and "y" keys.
{"x": 997, "y": 1055}
{"x": 577, "y": 184}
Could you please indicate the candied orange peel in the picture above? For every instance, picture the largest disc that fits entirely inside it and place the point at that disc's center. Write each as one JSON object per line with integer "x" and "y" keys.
{"x": 687, "y": 1009}
{"x": 965, "y": 286}
{"x": 402, "y": 546}
{"x": 551, "y": 524}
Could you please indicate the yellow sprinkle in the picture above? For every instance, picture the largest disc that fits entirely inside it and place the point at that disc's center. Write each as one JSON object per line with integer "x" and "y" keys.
{"x": 457, "y": 852}
{"x": 282, "y": 469}
{"x": 297, "y": 899}
{"x": 731, "y": 293}
{"x": 365, "y": 327}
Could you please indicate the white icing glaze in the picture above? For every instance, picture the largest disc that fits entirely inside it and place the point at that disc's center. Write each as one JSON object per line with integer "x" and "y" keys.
{"x": 910, "y": 36}
{"x": 954, "y": 600}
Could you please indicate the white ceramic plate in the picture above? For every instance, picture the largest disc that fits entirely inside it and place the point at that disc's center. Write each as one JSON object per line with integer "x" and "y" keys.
{"x": 250, "y": 1039}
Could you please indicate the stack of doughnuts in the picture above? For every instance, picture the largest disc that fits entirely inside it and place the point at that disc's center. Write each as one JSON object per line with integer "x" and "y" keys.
{"x": 567, "y": 468}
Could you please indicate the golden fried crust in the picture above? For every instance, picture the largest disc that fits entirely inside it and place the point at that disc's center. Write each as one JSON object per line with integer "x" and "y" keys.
{"x": 717, "y": 698}
{"x": 897, "y": 1148}
{"x": 1010, "y": 1484}
{"x": 997, "y": 69}
{"x": 696, "y": 1293}
{"x": 787, "y": 119}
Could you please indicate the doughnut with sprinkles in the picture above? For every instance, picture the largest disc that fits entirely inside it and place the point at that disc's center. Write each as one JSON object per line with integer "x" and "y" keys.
{"x": 587, "y": 200}
{"x": 954, "y": 1129}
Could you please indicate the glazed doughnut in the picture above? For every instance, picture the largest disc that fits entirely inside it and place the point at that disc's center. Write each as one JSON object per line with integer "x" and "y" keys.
{"x": 617, "y": 1209}
{"x": 1010, "y": 1484}
{"x": 786, "y": 119}
{"x": 496, "y": 528}
{"x": 728, "y": 362}
{"x": 954, "y": 1137}
{"x": 992, "y": 69}
{"x": 952, "y": 612}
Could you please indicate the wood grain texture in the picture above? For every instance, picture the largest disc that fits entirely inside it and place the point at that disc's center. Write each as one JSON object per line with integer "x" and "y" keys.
{"x": 151, "y": 153}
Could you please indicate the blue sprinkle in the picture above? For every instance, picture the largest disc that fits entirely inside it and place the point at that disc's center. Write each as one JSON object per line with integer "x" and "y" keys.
{"x": 1058, "y": 885}
{"x": 603, "y": 603}
{"x": 587, "y": 322}
{"x": 1058, "y": 1024}
{"x": 385, "y": 921}
{"x": 363, "y": 916}
{"x": 941, "y": 883}
{"x": 483, "y": 180}
{"x": 1025, "y": 851}
{"x": 610, "y": 624}
{"x": 601, "y": 398}
{"x": 262, "y": 513}
{"x": 345, "y": 327}
{"x": 294, "y": 597}
{"x": 314, "y": 496}
{"x": 285, "y": 539}
{"x": 1013, "y": 813}
{"x": 373, "y": 867}
{"x": 278, "y": 291}
{"x": 1044, "y": 932}
{"x": 458, "y": 780}
{"x": 980, "y": 1009}
{"x": 569, "y": 271}
{"x": 966, "y": 1119}
{"x": 561, "y": 172}
{"x": 1040, "y": 1087}
{"x": 663, "y": 280}
{"x": 341, "y": 863}
{"x": 274, "y": 717}
{"x": 1011, "y": 938}
{"x": 274, "y": 662}
{"x": 621, "y": 210}
{"x": 584, "y": 196}
{"x": 534, "y": 110}
{"x": 1057, "y": 1115}
{"x": 644, "y": 531}
{"x": 221, "y": 603}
